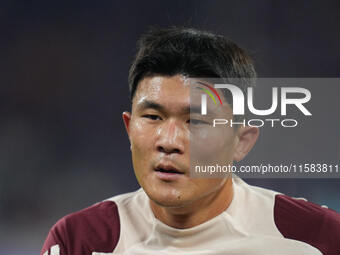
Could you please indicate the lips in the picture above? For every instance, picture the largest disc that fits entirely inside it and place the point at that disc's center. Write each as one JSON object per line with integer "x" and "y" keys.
{"x": 167, "y": 168}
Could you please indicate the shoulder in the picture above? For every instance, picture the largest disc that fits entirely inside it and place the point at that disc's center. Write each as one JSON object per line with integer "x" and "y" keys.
{"x": 98, "y": 213}
{"x": 96, "y": 228}
{"x": 301, "y": 220}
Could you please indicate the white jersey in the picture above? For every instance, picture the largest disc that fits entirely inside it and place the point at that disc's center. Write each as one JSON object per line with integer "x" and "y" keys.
{"x": 257, "y": 222}
{"x": 246, "y": 227}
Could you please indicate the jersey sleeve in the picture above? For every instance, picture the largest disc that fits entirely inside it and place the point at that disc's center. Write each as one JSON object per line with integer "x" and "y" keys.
{"x": 94, "y": 229}
{"x": 54, "y": 241}
{"x": 308, "y": 222}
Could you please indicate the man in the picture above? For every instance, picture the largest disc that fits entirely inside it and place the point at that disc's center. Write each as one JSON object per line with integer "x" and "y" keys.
{"x": 173, "y": 213}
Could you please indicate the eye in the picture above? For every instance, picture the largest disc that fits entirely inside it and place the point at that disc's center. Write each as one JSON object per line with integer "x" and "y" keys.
{"x": 151, "y": 117}
{"x": 197, "y": 122}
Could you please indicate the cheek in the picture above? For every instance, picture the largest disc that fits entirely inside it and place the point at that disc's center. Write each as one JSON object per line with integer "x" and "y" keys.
{"x": 206, "y": 186}
{"x": 212, "y": 145}
{"x": 139, "y": 135}
{"x": 141, "y": 144}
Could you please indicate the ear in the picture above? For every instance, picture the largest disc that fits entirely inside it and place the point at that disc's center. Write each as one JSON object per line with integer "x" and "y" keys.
{"x": 247, "y": 137}
{"x": 126, "y": 119}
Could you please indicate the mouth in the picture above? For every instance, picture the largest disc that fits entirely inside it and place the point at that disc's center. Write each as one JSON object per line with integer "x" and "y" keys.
{"x": 167, "y": 169}
{"x": 167, "y": 172}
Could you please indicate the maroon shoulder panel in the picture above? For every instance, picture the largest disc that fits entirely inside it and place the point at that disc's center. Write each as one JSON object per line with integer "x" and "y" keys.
{"x": 96, "y": 228}
{"x": 307, "y": 222}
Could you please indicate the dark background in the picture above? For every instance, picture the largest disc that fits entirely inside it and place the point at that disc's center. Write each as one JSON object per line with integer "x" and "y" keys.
{"x": 63, "y": 87}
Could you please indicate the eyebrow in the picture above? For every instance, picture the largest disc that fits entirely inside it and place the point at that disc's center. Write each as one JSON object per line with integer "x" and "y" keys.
{"x": 147, "y": 104}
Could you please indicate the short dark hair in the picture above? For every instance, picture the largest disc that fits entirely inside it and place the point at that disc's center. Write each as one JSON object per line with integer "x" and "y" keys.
{"x": 191, "y": 52}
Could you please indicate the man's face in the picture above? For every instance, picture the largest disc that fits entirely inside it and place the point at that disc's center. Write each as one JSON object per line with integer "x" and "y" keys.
{"x": 159, "y": 132}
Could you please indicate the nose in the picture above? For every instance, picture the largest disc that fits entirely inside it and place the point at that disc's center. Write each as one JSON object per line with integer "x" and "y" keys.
{"x": 170, "y": 138}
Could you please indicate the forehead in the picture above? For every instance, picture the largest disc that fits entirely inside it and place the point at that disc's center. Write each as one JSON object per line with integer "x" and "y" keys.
{"x": 167, "y": 90}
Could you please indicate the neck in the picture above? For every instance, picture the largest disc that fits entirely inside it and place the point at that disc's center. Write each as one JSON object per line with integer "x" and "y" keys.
{"x": 198, "y": 211}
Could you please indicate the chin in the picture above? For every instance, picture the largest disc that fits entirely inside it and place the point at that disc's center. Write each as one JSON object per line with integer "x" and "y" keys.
{"x": 168, "y": 197}
{"x": 174, "y": 203}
